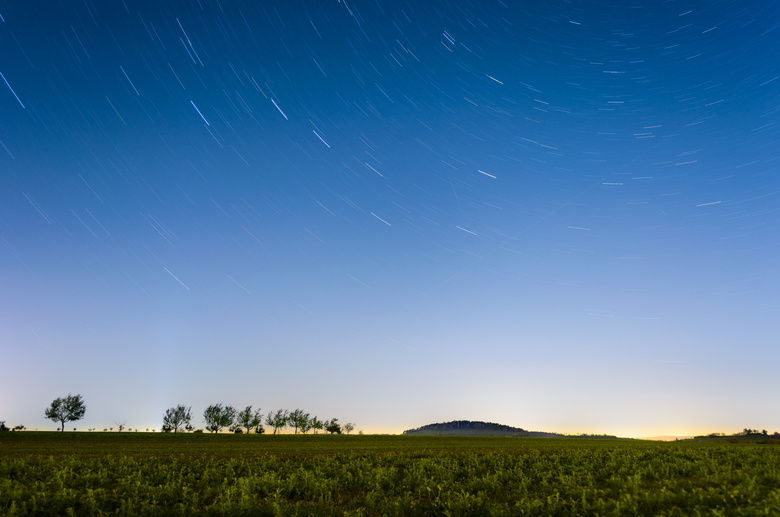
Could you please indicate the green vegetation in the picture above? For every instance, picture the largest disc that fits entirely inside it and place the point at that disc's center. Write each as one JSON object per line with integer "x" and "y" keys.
{"x": 265, "y": 474}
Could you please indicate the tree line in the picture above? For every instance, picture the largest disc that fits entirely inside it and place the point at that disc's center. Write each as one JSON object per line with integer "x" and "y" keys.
{"x": 216, "y": 416}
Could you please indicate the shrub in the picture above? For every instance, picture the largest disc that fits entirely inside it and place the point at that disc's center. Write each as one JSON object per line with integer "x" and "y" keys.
{"x": 733, "y": 440}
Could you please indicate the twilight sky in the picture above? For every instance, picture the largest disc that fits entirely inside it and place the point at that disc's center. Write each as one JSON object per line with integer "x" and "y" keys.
{"x": 557, "y": 215}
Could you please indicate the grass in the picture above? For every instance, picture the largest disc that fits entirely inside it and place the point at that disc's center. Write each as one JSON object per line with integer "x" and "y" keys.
{"x": 201, "y": 474}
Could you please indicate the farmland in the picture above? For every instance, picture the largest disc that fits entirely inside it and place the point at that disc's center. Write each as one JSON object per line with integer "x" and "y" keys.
{"x": 225, "y": 474}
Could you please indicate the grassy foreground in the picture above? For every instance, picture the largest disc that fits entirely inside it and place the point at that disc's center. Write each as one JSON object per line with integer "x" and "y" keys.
{"x": 196, "y": 474}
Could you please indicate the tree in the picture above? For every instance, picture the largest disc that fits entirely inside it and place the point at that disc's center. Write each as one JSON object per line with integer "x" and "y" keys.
{"x": 249, "y": 419}
{"x": 68, "y": 409}
{"x": 333, "y": 426}
{"x": 317, "y": 424}
{"x": 305, "y": 423}
{"x": 120, "y": 425}
{"x": 3, "y": 427}
{"x": 348, "y": 427}
{"x": 277, "y": 419}
{"x": 218, "y": 416}
{"x": 298, "y": 419}
{"x": 177, "y": 417}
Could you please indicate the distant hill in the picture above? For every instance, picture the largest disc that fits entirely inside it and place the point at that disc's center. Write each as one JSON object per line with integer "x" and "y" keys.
{"x": 471, "y": 428}
{"x": 747, "y": 436}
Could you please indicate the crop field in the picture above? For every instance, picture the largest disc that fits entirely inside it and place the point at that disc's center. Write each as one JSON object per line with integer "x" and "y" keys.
{"x": 225, "y": 474}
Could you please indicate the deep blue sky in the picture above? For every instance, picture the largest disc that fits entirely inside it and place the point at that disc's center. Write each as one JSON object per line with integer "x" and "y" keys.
{"x": 556, "y": 215}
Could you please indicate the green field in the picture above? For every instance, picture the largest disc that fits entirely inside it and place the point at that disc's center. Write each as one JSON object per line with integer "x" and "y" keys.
{"x": 201, "y": 474}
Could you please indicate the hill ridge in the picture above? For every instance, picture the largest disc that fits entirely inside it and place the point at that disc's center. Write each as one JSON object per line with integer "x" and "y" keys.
{"x": 475, "y": 428}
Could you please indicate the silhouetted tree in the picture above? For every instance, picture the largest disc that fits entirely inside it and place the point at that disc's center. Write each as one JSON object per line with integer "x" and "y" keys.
{"x": 217, "y": 417}
{"x": 348, "y": 427}
{"x": 333, "y": 426}
{"x": 249, "y": 419}
{"x": 3, "y": 427}
{"x": 68, "y": 409}
{"x": 317, "y": 424}
{"x": 177, "y": 417}
{"x": 305, "y": 423}
{"x": 277, "y": 419}
{"x": 297, "y": 418}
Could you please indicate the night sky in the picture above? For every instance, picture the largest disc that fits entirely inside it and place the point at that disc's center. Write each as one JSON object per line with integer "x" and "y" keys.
{"x": 557, "y": 215}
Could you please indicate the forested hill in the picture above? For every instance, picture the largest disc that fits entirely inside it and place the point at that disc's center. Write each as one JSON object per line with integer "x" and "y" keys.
{"x": 471, "y": 428}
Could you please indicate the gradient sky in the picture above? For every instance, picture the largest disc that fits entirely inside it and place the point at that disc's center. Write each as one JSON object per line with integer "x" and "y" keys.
{"x": 558, "y": 215}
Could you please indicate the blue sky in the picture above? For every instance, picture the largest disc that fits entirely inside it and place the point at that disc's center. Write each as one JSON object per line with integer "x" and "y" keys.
{"x": 559, "y": 217}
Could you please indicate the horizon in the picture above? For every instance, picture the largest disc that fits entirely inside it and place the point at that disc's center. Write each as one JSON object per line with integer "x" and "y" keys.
{"x": 545, "y": 215}
{"x": 362, "y": 432}
{"x": 87, "y": 425}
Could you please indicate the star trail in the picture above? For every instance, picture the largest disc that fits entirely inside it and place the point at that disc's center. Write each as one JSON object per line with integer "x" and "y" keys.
{"x": 554, "y": 215}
